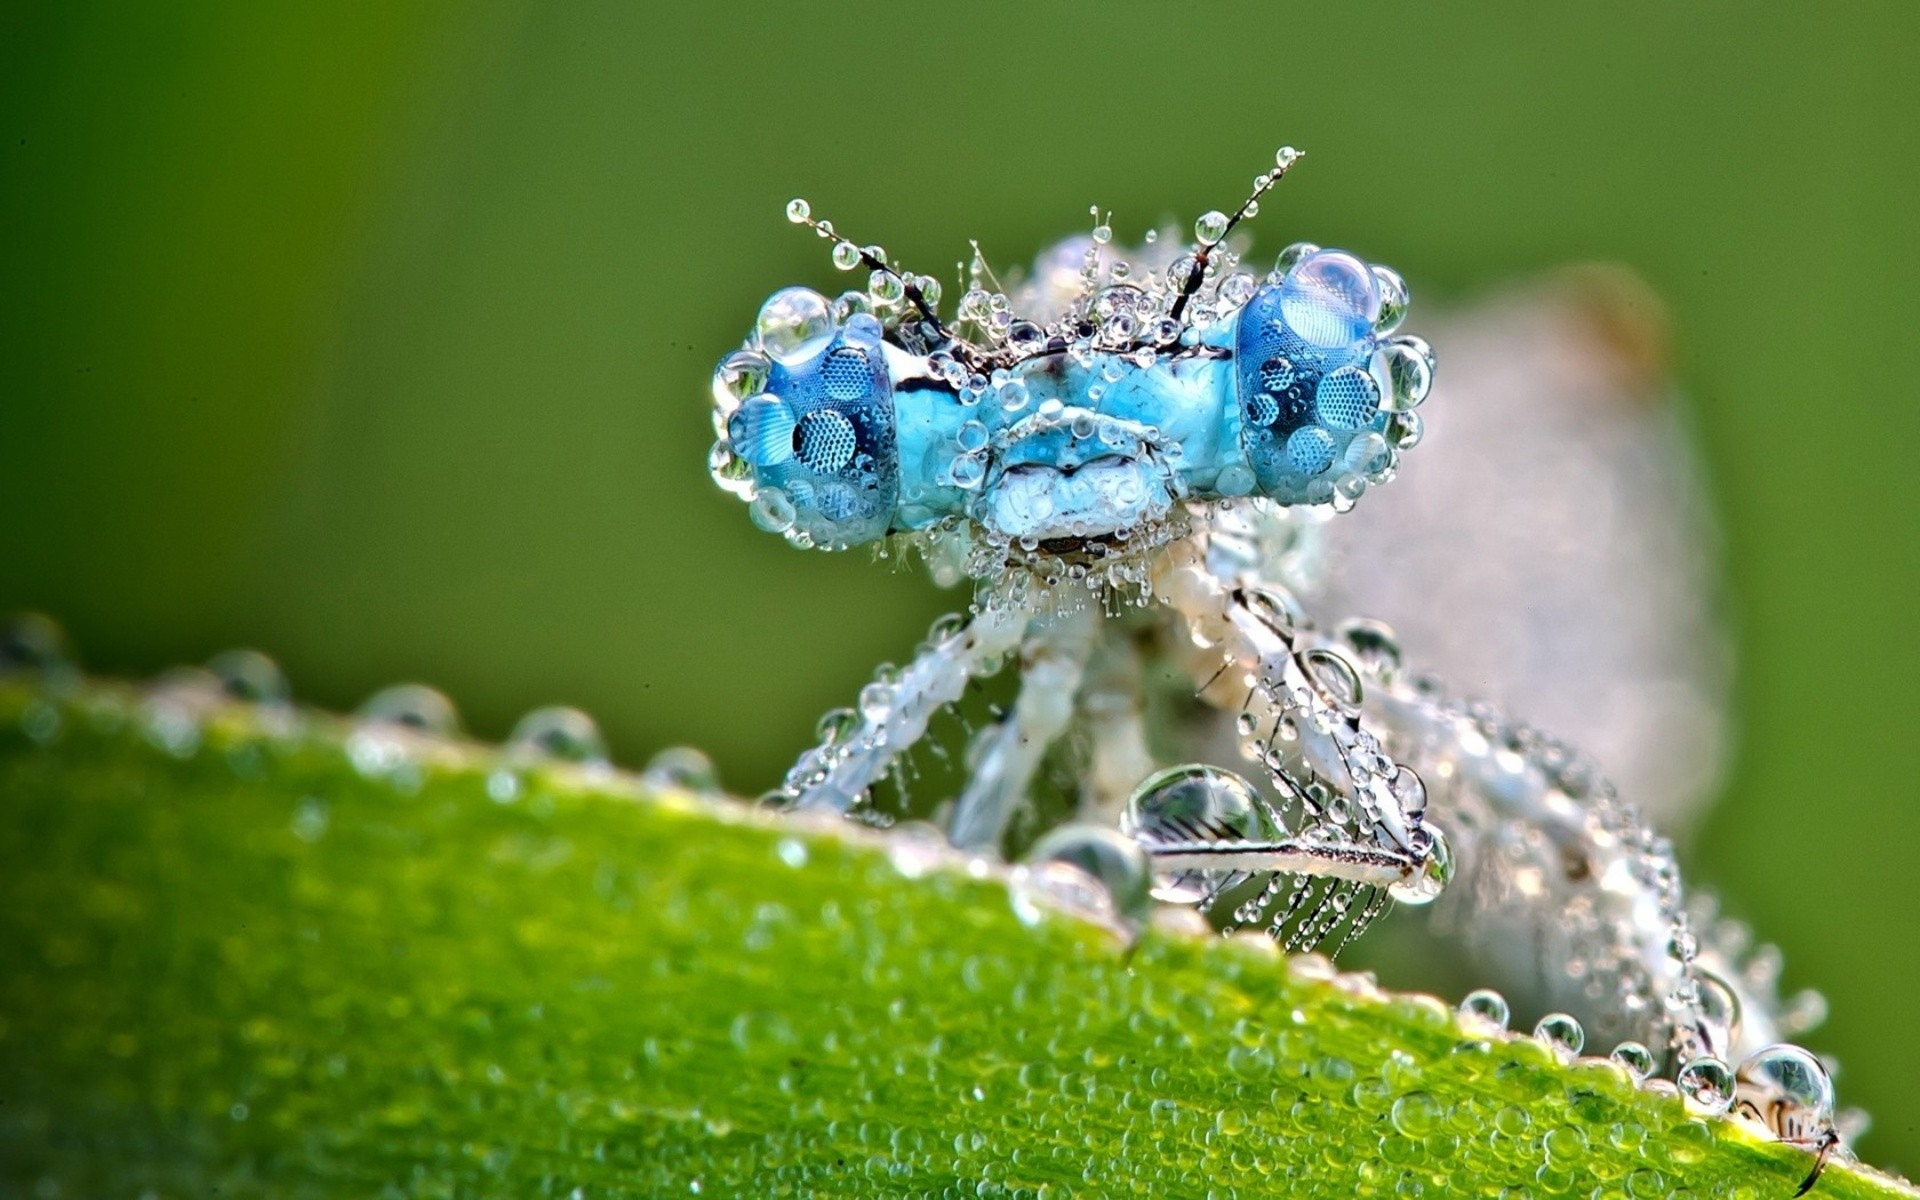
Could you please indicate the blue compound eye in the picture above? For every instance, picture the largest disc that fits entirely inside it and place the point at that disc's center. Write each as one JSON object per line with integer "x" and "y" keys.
{"x": 1306, "y": 375}
{"x": 820, "y": 440}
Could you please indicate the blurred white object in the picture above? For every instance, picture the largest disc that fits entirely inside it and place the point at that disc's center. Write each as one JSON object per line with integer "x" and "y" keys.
{"x": 1551, "y": 548}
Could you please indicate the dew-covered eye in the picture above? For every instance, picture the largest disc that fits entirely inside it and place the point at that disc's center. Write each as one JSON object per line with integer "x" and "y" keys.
{"x": 813, "y": 446}
{"x": 1330, "y": 299}
{"x": 1316, "y": 386}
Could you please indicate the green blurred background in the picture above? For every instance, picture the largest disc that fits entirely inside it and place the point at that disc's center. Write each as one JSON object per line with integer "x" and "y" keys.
{"x": 377, "y": 336}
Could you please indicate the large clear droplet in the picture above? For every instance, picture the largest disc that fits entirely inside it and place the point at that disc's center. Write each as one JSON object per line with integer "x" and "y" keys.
{"x": 1210, "y": 228}
{"x": 1561, "y": 1033}
{"x": 412, "y": 706}
{"x": 1707, "y": 1082}
{"x": 1719, "y": 1012}
{"x": 1486, "y": 1008}
{"x": 251, "y": 676}
{"x": 1789, "y": 1089}
{"x": 682, "y": 768}
{"x": 1172, "y": 804}
{"x": 1330, "y": 299}
{"x": 1409, "y": 370}
{"x": 792, "y": 322}
{"x": 561, "y": 733}
{"x": 739, "y": 375}
{"x": 1108, "y": 859}
{"x": 1373, "y": 647}
{"x": 1636, "y": 1058}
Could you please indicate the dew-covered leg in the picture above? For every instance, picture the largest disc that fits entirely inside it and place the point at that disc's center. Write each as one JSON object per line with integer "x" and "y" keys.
{"x": 1114, "y": 709}
{"x": 1343, "y": 820}
{"x": 859, "y": 745}
{"x": 1005, "y": 757}
{"x": 1567, "y": 895}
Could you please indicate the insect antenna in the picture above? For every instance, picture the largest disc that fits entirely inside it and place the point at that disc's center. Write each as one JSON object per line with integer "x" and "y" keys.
{"x": 847, "y": 254}
{"x": 1282, "y": 162}
{"x": 980, "y": 267}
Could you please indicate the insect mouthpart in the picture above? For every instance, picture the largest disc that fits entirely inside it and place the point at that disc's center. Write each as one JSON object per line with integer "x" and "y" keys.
{"x": 1067, "y": 480}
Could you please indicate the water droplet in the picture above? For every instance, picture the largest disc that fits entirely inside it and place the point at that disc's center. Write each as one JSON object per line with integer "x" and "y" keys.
{"x": 1393, "y": 299}
{"x": 1210, "y": 228}
{"x": 1374, "y": 647}
{"x": 886, "y": 287}
{"x": 1409, "y": 789}
{"x": 798, "y": 211}
{"x": 1405, "y": 430}
{"x": 1512, "y": 1121}
{"x": 1564, "y": 1143}
{"x": 1718, "y": 1008}
{"x": 968, "y": 471}
{"x": 413, "y": 706}
{"x": 1237, "y": 288}
{"x": 1235, "y": 479}
{"x": 1170, "y": 803}
{"x": 1433, "y": 878}
{"x": 1415, "y": 1114}
{"x": 561, "y": 733}
{"x": 1561, "y": 1033}
{"x": 771, "y": 510}
{"x": 1688, "y": 1142}
{"x": 1789, "y": 1090}
{"x": 1708, "y": 1083}
{"x": 1409, "y": 369}
{"x": 251, "y": 676}
{"x": 1291, "y": 257}
{"x": 682, "y": 768}
{"x": 1330, "y": 299}
{"x": 1104, "y": 858}
{"x": 1636, "y": 1058}
{"x": 729, "y": 470}
{"x": 33, "y": 642}
{"x": 792, "y": 322}
{"x": 1485, "y": 1008}
{"x": 846, "y": 255}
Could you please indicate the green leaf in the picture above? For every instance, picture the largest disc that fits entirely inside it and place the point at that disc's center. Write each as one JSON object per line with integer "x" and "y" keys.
{"x": 234, "y": 961}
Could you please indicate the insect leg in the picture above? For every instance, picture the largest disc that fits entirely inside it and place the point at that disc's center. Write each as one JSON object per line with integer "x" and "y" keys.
{"x": 860, "y": 745}
{"x": 1113, "y": 708}
{"x": 1005, "y": 758}
{"x": 1340, "y": 810}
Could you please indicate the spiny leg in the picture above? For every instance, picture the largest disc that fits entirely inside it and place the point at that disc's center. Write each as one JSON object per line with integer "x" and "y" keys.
{"x": 1008, "y": 754}
{"x": 1348, "y": 816}
{"x": 1567, "y": 885}
{"x": 861, "y": 745}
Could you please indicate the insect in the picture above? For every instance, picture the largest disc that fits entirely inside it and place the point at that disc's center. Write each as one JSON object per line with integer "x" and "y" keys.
{"x": 1123, "y": 456}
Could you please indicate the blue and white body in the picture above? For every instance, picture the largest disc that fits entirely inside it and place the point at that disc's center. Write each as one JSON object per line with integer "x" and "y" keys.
{"x": 1088, "y": 434}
